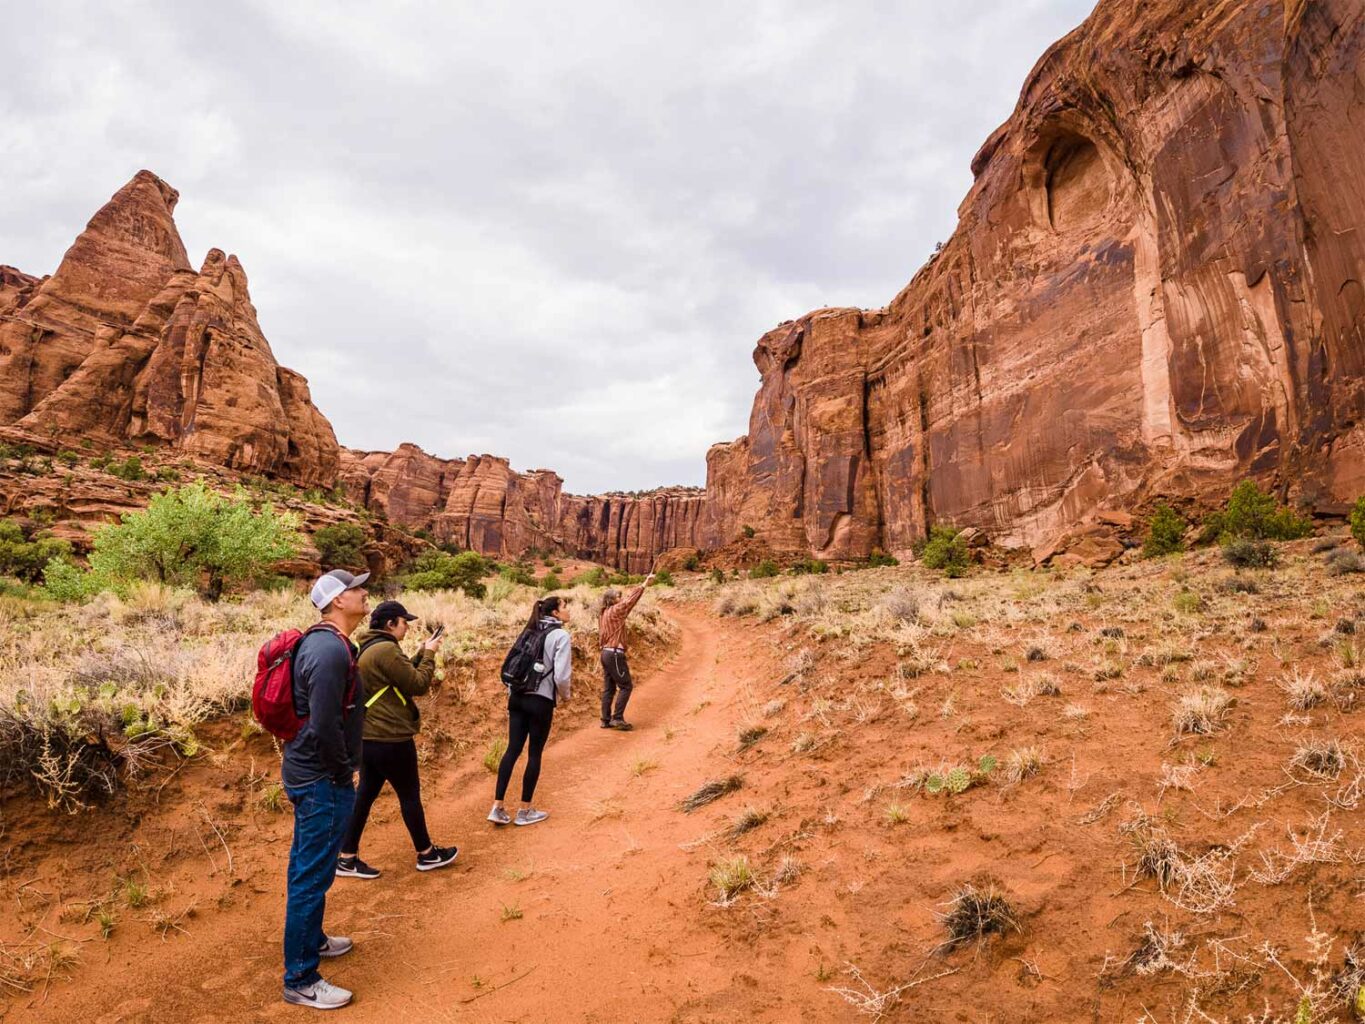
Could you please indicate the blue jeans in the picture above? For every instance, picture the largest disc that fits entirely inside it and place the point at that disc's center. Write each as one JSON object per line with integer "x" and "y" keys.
{"x": 321, "y": 810}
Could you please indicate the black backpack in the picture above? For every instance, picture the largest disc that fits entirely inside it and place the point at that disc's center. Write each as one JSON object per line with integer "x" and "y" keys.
{"x": 519, "y": 673}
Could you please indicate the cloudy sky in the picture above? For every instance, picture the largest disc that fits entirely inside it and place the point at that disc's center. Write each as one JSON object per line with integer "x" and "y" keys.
{"x": 551, "y": 231}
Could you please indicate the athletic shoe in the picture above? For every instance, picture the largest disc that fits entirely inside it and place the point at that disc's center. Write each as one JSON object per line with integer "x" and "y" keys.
{"x": 606, "y": 725}
{"x": 354, "y": 867}
{"x": 530, "y": 817}
{"x": 498, "y": 816}
{"x": 321, "y": 995}
{"x": 335, "y": 945}
{"x": 621, "y": 725}
{"x": 437, "y": 857}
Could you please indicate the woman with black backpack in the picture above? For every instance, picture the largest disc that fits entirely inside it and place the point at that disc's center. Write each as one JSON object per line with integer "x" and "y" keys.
{"x": 537, "y": 674}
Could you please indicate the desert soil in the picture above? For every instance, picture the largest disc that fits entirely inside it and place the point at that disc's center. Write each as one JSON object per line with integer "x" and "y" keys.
{"x": 614, "y": 920}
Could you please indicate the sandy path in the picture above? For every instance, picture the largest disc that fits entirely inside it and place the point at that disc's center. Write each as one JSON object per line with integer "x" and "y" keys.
{"x": 612, "y": 924}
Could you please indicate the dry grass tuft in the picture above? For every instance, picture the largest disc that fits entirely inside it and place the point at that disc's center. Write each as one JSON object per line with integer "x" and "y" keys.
{"x": 1303, "y": 691}
{"x": 711, "y": 791}
{"x": 1323, "y": 759}
{"x": 975, "y": 911}
{"x": 1201, "y": 711}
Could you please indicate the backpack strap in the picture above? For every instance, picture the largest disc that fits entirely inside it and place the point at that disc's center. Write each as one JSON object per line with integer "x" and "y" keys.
{"x": 371, "y": 642}
{"x": 352, "y": 676}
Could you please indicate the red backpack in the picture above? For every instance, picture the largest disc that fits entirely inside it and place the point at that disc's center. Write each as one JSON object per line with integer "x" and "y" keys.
{"x": 272, "y": 696}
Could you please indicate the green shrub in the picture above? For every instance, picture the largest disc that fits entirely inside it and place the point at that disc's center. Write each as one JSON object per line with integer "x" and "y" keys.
{"x": 809, "y": 566}
{"x": 1165, "y": 532}
{"x": 129, "y": 469}
{"x": 192, "y": 535}
{"x": 663, "y": 578}
{"x": 946, "y": 550}
{"x": 1250, "y": 554}
{"x": 437, "y": 570}
{"x": 594, "y": 577}
{"x": 26, "y": 558}
{"x": 880, "y": 559}
{"x": 764, "y": 570}
{"x": 65, "y": 582}
{"x": 340, "y": 546}
{"x": 718, "y": 575}
{"x": 748, "y": 531}
{"x": 692, "y": 563}
{"x": 1254, "y": 515}
{"x": 518, "y": 573}
{"x": 551, "y": 581}
{"x": 625, "y": 579}
{"x": 1358, "y": 521}
{"x": 67, "y": 458}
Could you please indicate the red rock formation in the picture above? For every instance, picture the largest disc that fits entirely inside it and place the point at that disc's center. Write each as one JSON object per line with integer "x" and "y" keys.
{"x": 125, "y": 343}
{"x": 1154, "y": 287}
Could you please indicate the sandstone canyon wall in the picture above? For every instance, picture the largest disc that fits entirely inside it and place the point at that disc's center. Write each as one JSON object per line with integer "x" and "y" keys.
{"x": 1154, "y": 287}
{"x": 127, "y": 343}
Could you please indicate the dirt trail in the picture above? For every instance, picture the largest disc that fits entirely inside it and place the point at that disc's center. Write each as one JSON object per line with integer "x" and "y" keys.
{"x": 613, "y": 924}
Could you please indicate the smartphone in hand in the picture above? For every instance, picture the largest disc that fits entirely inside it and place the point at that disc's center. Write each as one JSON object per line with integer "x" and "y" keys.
{"x": 437, "y": 632}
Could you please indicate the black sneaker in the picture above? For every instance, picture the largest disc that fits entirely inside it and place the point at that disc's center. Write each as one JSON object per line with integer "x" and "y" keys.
{"x": 606, "y": 724}
{"x": 621, "y": 725}
{"x": 437, "y": 857}
{"x": 354, "y": 867}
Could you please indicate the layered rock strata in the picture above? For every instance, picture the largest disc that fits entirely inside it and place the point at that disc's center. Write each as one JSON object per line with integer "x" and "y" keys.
{"x": 1154, "y": 287}
{"x": 127, "y": 343}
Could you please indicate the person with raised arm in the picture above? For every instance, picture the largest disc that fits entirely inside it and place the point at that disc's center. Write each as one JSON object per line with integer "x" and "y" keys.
{"x": 611, "y": 630}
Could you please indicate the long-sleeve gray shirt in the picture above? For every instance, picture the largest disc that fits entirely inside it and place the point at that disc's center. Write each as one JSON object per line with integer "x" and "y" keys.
{"x": 328, "y": 745}
{"x": 559, "y": 661}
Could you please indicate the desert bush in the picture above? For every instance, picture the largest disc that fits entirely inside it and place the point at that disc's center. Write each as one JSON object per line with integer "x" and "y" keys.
{"x": 1201, "y": 711}
{"x": 1253, "y": 514}
{"x": 1358, "y": 521}
{"x": 1342, "y": 562}
{"x": 945, "y": 550}
{"x": 901, "y": 604}
{"x": 193, "y": 535}
{"x": 340, "y": 546}
{"x": 594, "y": 577}
{"x": 1165, "y": 532}
{"x": 1250, "y": 554}
{"x": 764, "y": 570}
{"x": 692, "y": 562}
{"x": 663, "y": 578}
{"x": 551, "y": 581}
{"x": 809, "y": 566}
{"x": 130, "y": 469}
{"x": 717, "y": 575}
{"x": 519, "y": 574}
{"x": 747, "y": 531}
{"x": 731, "y": 877}
{"x": 437, "y": 570}
{"x": 880, "y": 559}
{"x": 24, "y": 558}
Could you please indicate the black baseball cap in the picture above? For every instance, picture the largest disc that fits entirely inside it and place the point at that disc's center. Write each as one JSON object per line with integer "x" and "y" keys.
{"x": 388, "y": 610}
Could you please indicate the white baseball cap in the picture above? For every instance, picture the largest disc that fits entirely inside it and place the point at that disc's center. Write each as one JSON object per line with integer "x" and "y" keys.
{"x": 331, "y": 586}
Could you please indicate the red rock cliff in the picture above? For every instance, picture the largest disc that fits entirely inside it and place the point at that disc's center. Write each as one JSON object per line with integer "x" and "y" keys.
{"x": 1154, "y": 287}
{"x": 126, "y": 343}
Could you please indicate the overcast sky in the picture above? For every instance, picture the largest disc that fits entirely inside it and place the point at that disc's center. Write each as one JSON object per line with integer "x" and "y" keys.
{"x": 550, "y": 231}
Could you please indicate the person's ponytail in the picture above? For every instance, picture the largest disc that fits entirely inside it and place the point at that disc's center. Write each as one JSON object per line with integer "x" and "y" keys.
{"x": 535, "y": 615}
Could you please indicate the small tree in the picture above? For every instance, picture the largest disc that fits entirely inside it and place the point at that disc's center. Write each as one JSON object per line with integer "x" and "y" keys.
{"x": 1165, "y": 532}
{"x": 192, "y": 535}
{"x": 765, "y": 569}
{"x": 946, "y": 550}
{"x": 25, "y": 558}
{"x": 1255, "y": 515}
{"x": 340, "y": 546}
{"x": 1358, "y": 521}
{"x": 436, "y": 570}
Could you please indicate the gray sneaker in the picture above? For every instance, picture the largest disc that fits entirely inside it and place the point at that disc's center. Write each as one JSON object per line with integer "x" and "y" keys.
{"x": 498, "y": 816}
{"x": 321, "y": 995}
{"x": 531, "y": 816}
{"x": 335, "y": 945}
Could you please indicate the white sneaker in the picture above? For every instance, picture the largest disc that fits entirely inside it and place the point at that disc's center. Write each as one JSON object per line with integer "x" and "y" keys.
{"x": 498, "y": 816}
{"x": 321, "y": 995}
{"x": 335, "y": 945}
{"x": 529, "y": 816}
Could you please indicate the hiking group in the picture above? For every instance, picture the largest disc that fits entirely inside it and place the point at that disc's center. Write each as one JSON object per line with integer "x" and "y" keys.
{"x": 343, "y": 709}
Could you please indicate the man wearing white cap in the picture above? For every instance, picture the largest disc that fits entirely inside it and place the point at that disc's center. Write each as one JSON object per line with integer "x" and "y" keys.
{"x": 319, "y": 778}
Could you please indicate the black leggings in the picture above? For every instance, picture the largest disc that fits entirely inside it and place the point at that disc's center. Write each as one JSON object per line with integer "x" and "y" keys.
{"x": 396, "y": 764}
{"x": 528, "y": 717}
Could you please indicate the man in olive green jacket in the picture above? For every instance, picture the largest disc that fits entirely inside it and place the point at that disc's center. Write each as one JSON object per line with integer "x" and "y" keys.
{"x": 391, "y": 683}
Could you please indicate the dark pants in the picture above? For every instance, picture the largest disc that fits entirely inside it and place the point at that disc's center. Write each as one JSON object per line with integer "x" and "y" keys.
{"x": 528, "y": 718}
{"x": 321, "y": 810}
{"x": 616, "y": 683}
{"x": 396, "y": 764}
